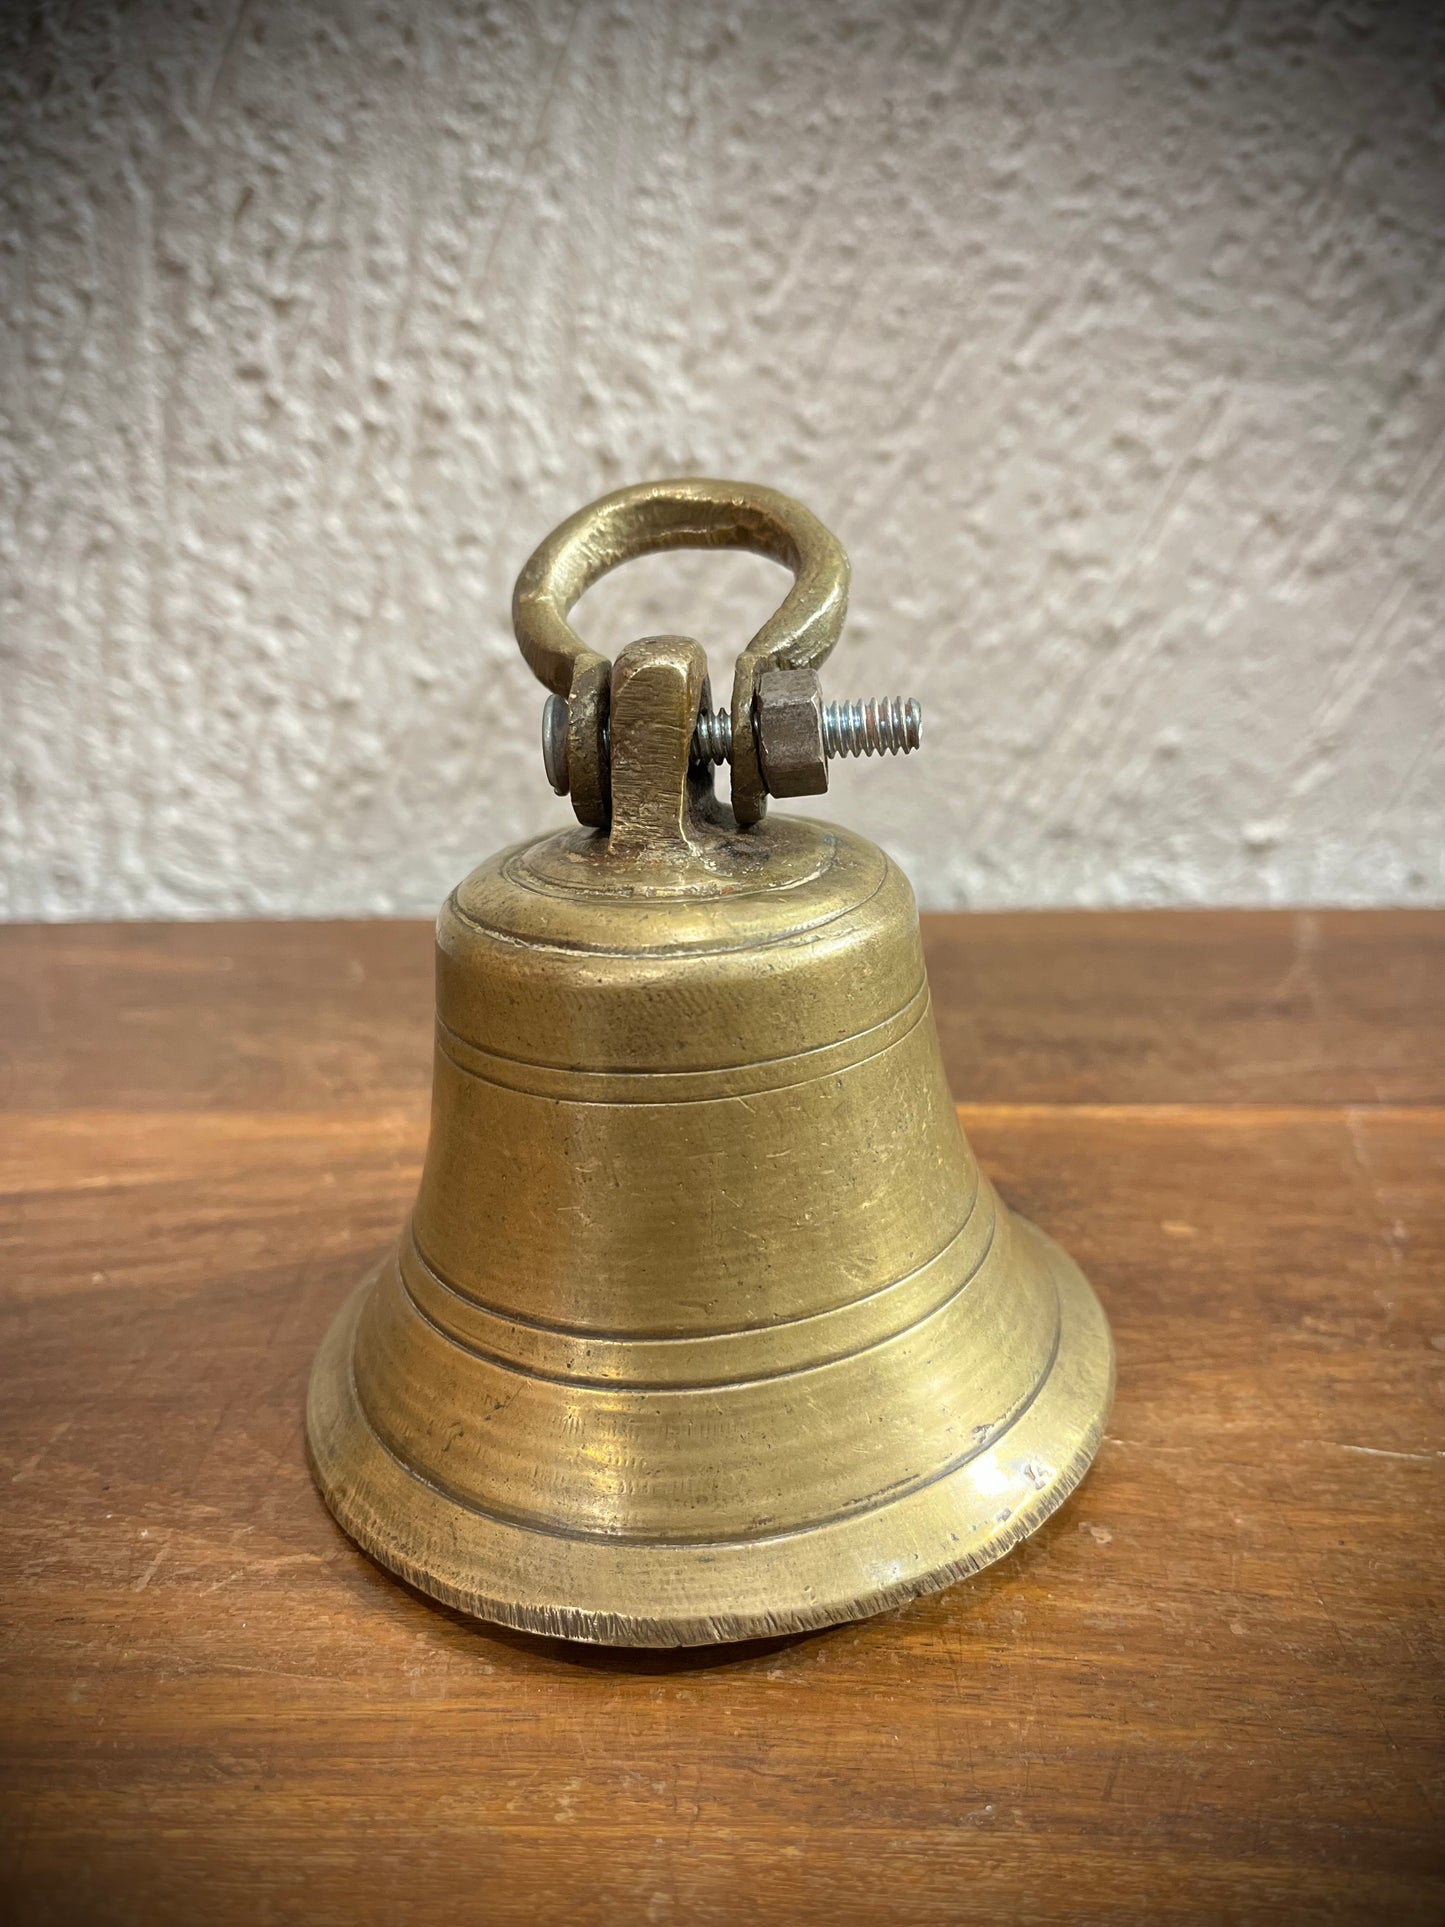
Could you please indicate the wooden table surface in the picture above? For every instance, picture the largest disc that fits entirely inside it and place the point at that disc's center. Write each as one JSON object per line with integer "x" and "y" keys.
{"x": 1210, "y": 1689}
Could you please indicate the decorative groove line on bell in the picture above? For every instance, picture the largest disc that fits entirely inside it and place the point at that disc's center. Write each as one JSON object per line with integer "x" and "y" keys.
{"x": 569, "y": 1355}
{"x": 706, "y": 1324}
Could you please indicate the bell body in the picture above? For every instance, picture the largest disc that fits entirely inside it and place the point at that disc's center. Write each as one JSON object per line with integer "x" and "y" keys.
{"x": 706, "y": 1324}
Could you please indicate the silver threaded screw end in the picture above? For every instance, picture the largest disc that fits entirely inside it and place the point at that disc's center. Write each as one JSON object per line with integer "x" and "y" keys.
{"x": 884, "y": 725}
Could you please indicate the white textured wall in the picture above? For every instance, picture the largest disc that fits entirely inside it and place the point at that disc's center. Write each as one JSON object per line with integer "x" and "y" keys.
{"x": 1109, "y": 338}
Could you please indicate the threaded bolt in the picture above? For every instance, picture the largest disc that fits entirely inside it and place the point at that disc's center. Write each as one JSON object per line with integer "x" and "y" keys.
{"x": 712, "y": 740}
{"x": 884, "y": 725}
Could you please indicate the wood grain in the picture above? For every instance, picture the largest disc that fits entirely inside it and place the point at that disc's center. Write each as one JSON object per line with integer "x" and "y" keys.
{"x": 1209, "y": 1690}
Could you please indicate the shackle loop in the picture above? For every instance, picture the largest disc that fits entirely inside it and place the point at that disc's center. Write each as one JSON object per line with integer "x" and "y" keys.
{"x": 654, "y": 516}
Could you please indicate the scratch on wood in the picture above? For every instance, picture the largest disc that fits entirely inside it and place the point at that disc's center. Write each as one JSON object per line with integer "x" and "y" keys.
{"x": 150, "y": 1572}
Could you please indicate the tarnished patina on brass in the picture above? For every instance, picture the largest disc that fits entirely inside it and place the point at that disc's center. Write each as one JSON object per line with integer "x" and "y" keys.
{"x": 706, "y": 1324}
{"x": 645, "y": 520}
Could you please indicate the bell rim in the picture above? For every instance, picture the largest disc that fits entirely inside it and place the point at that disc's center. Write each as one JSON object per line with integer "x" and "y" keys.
{"x": 814, "y": 1576}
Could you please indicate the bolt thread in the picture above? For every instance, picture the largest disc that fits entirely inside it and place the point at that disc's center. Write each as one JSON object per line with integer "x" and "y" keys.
{"x": 883, "y": 724}
{"x": 712, "y": 740}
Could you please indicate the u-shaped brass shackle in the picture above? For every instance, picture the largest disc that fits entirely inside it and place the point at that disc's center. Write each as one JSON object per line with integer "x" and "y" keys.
{"x": 654, "y": 516}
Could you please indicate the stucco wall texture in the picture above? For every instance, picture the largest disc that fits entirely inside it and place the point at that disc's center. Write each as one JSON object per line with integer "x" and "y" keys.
{"x": 1109, "y": 338}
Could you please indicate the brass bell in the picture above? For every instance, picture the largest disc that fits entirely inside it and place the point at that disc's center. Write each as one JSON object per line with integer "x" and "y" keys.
{"x": 706, "y": 1324}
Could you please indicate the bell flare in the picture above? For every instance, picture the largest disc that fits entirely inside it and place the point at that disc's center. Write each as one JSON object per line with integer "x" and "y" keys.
{"x": 706, "y": 1324}
{"x": 734, "y": 1514}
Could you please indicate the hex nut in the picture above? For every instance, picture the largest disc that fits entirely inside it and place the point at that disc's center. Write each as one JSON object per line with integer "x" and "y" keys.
{"x": 788, "y": 718}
